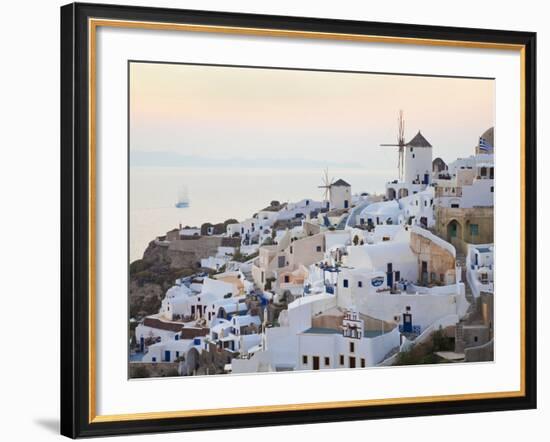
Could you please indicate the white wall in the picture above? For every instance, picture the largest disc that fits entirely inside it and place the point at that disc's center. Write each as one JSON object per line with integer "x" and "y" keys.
{"x": 417, "y": 163}
{"x": 149, "y": 332}
{"x": 31, "y": 36}
{"x": 338, "y": 197}
{"x": 478, "y": 194}
{"x": 425, "y": 309}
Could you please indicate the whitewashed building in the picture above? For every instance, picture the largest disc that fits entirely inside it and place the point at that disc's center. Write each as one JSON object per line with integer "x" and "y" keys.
{"x": 168, "y": 350}
{"x": 480, "y": 268}
{"x": 340, "y": 195}
{"x": 417, "y": 173}
{"x": 299, "y": 344}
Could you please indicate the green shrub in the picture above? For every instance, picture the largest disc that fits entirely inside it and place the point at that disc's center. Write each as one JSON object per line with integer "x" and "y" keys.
{"x": 139, "y": 265}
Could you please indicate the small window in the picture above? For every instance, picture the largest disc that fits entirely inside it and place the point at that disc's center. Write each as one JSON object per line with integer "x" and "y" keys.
{"x": 474, "y": 229}
{"x": 475, "y": 338}
{"x": 455, "y": 206}
{"x": 352, "y": 347}
{"x": 319, "y": 248}
{"x": 177, "y": 354}
{"x": 154, "y": 359}
{"x": 345, "y": 283}
{"x": 413, "y": 155}
{"x": 492, "y": 189}
{"x": 359, "y": 284}
{"x": 327, "y": 361}
{"x": 341, "y": 359}
{"x": 291, "y": 249}
{"x": 304, "y": 359}
{"x": 363, "y": 365}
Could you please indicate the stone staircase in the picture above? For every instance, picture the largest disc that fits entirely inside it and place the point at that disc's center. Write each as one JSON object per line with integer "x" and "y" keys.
{"x": 473, "y": 314}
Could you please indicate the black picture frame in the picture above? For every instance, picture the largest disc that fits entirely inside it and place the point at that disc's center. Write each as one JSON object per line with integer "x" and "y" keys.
{"x": 75, "y": 220}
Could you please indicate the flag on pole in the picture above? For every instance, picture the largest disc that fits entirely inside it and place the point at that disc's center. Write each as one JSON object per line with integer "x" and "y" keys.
{"x": 484, "y": 145}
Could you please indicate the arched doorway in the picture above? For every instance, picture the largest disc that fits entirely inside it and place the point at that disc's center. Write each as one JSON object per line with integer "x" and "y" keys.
{"x": 403, "y": 192}
{"x": 390, "y": 193}
{"x": 454, "y": 232}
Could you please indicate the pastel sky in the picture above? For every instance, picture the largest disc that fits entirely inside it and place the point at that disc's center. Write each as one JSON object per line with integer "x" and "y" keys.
{"x": 228, "y": 112}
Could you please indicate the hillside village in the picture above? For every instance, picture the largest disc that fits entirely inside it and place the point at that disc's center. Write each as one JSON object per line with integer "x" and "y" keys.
{"x": 352, "y": 281}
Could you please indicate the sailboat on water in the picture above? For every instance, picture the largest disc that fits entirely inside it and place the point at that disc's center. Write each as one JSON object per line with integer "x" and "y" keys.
{"x": 183, "y": 198}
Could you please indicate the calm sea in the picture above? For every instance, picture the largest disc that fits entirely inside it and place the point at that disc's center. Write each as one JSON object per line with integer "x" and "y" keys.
{"x": 218, "y": 194}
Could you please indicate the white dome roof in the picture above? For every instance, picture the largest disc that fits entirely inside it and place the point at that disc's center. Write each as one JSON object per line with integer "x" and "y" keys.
{"x": 382, "y": 208}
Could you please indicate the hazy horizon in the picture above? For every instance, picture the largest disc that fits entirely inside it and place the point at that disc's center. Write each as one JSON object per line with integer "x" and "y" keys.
{"x": 221, "y": 113}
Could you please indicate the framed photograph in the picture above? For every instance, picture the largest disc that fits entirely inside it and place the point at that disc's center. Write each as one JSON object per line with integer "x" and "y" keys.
{"x": 273, "y": 220}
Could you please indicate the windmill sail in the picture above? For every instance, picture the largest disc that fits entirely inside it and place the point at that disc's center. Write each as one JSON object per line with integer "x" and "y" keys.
{"x": 327, "y": 183}
{"x": 400, "y": 144}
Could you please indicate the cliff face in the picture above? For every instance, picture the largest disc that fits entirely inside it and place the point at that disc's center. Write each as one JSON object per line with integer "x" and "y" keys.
{"x": 151, "y": 276}
{"x": 186, "y": 252}
{"x": 144, "y": 298}
{"x": 161, "y": 265}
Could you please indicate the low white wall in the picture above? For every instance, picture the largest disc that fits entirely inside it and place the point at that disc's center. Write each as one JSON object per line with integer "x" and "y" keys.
{"x": 425, "y": 309}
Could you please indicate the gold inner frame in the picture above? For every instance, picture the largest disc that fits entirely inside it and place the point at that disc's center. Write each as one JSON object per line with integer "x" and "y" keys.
{"x": 93, "y": 24}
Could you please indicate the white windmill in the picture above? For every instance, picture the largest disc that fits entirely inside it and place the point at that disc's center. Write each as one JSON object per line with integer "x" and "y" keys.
{"x": 327, "y": 183}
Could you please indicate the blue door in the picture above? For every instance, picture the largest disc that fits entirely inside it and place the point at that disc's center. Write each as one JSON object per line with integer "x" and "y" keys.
{"x": 141, "y": 344}
{"x": 407, "y": 323}
{"x": 167, "y": 355}
{"x": 389, "y": 279}
{"x": 346, "y": 204}
{"x": 426, "y": 178}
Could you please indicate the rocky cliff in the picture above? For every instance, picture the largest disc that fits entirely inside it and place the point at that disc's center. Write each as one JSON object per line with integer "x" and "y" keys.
{"x": 162, "y": 264}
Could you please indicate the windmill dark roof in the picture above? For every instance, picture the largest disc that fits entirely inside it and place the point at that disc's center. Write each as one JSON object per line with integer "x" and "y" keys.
{"x": 438, "y": 165}
{"x": 418, "y": 141}
{"x": 341, "y": 182}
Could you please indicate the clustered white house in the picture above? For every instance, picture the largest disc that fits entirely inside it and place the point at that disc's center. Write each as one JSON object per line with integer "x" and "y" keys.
{"x": 340, "y": 283}
{"x": 259, "y": 227}
{"x": 479, "y": 262}
{"x": 222, "y": 257}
